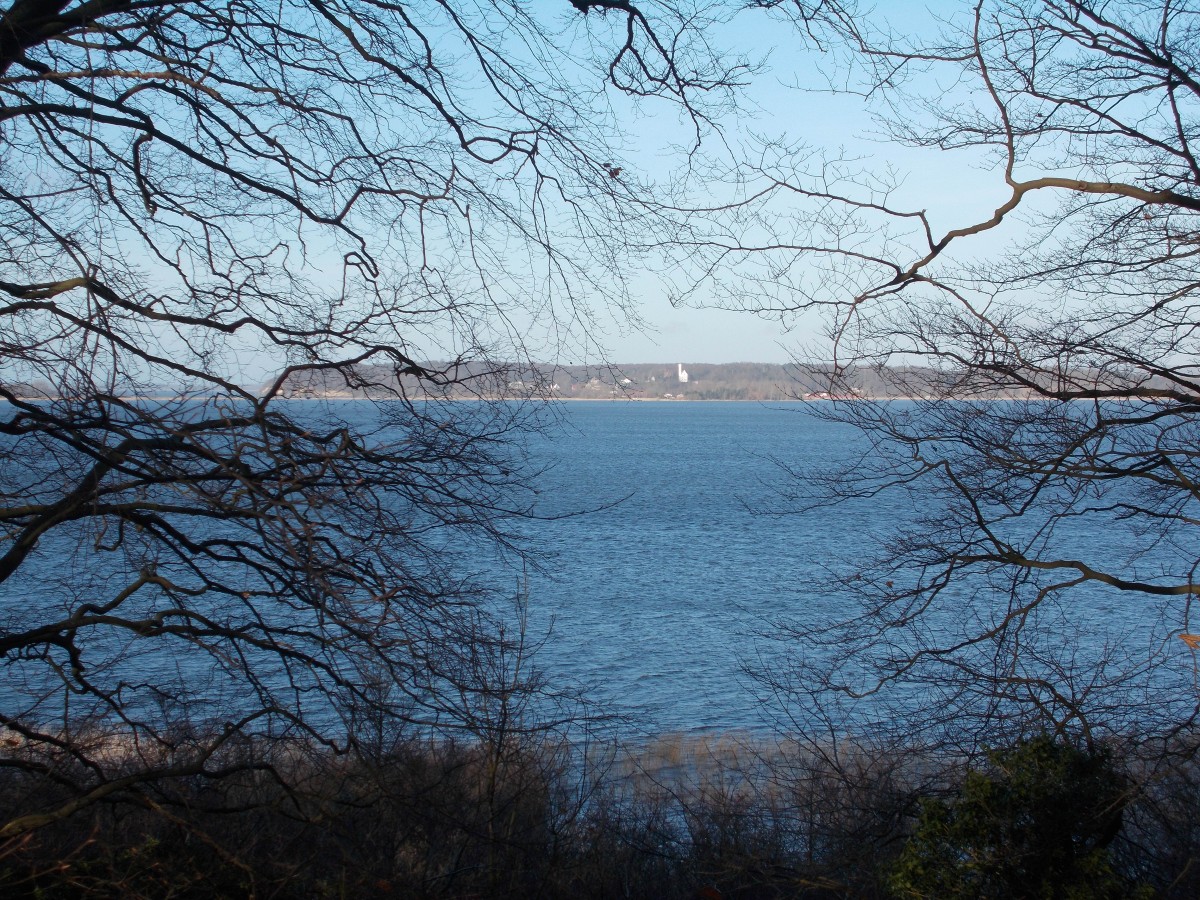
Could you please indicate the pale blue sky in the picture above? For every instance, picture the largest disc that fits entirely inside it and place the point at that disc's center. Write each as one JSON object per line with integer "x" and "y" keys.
{"x": 954, "y": 188}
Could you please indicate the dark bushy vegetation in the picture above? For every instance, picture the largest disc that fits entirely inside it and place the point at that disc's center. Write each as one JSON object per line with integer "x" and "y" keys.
{"x": 1036, "y": 822}
{"x": 691, "y": 819}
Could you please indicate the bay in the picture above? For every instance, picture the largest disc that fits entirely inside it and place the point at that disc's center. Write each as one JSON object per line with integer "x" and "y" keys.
{"x": 655, "y": 601}
{"x": 668, "y": 560}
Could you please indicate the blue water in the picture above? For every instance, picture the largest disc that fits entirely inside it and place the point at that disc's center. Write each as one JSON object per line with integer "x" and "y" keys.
{"x": 668, "y": 560}
{"x": 658, "y": 602}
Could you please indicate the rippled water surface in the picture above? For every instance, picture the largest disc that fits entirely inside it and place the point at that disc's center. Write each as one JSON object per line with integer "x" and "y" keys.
{"x": 664, "y": 565}
{"x": 656, "y": 601}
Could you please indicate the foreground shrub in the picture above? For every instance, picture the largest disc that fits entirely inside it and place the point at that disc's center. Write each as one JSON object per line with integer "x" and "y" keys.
{"x": 1037, "y": 822}
{"x": 718, "y": 817}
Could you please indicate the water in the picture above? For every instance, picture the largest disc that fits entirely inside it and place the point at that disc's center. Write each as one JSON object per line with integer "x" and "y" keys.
{"x": 655, "y": 599}
{"x": 664, "y": 572}
{"x": 656, "y": 602}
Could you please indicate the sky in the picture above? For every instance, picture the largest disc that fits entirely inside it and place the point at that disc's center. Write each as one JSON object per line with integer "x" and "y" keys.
{"x": 788, "y": 99}
{"x": 789, "y": 96}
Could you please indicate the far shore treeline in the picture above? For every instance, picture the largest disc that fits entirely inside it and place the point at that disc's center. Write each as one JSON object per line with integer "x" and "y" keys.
{"x": 746, "y": 381}
{"x": 739, "y": 381}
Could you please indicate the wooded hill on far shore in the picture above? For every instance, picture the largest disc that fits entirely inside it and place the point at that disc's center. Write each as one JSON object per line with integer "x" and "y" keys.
{"x": 764, "y": 382}
{"x": 646, "y": 381}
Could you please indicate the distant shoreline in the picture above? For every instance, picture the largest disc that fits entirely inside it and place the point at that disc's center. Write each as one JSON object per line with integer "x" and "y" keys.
{"x": 346, "y": 398}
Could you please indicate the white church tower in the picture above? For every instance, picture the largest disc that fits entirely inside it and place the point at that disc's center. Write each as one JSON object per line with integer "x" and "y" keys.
{"x": 682, "y": 374}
